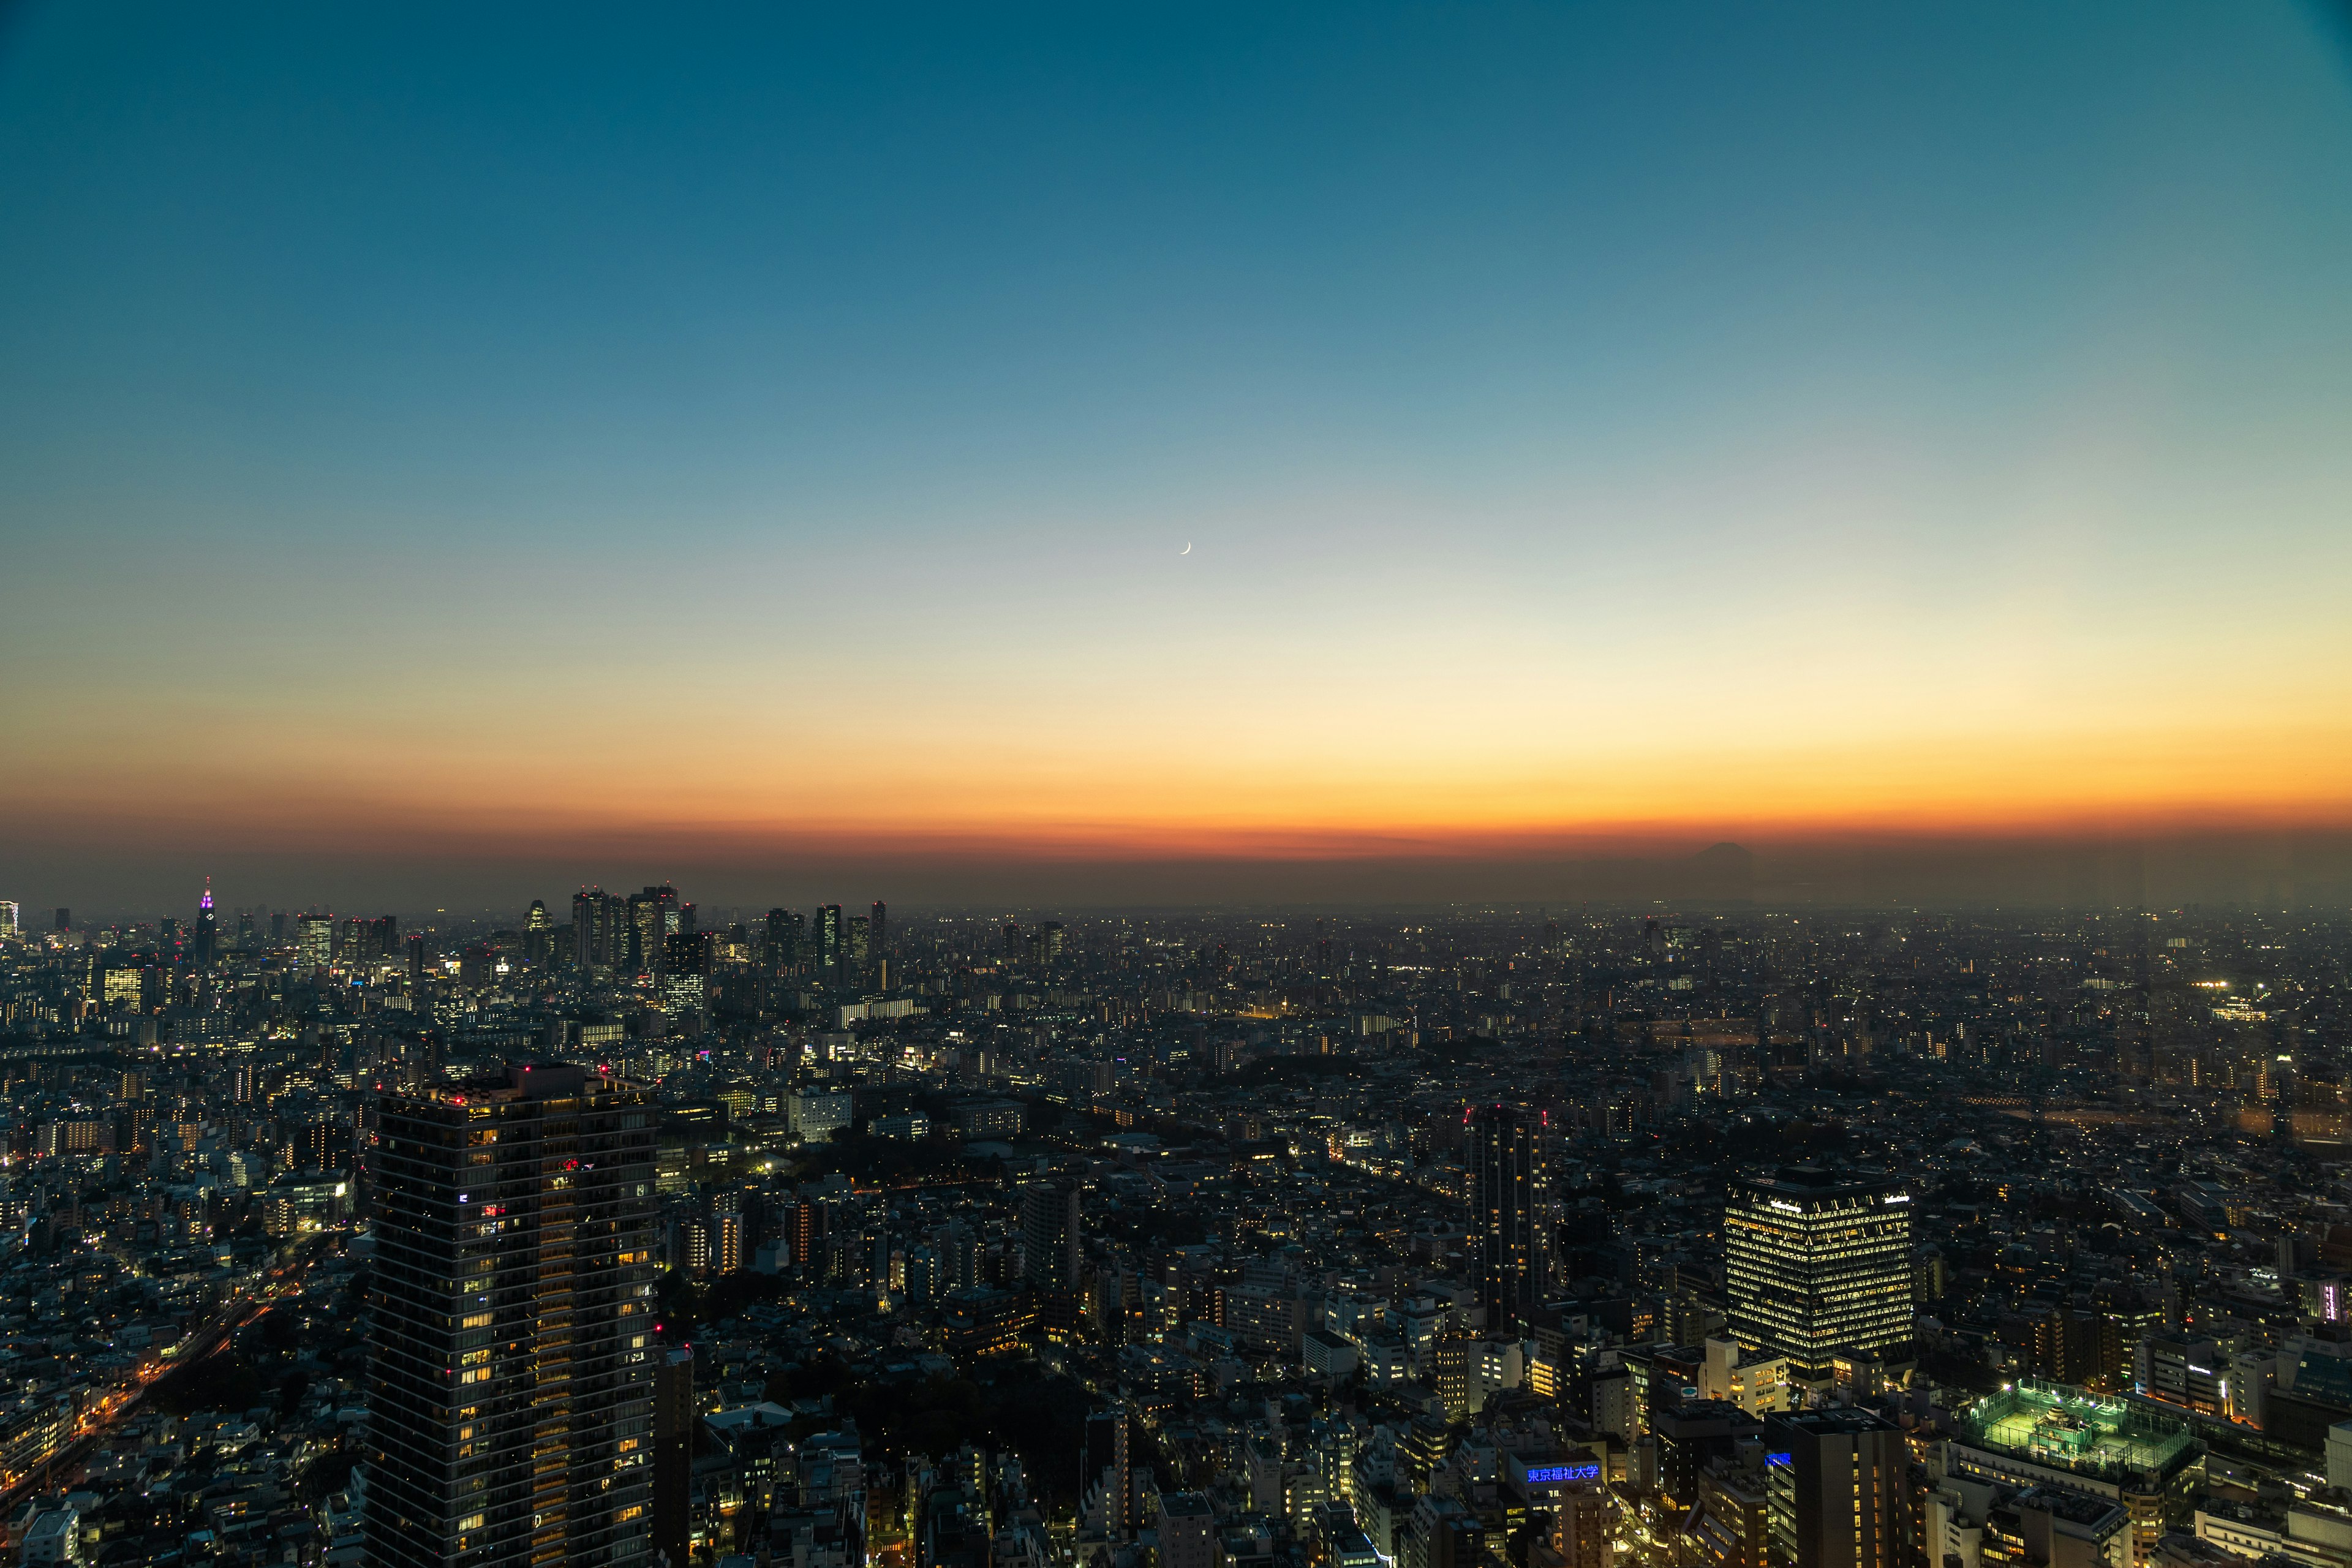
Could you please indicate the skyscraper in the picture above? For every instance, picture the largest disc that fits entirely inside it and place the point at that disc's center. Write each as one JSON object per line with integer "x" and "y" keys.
{"x": 1817, "y": 1264}
{"x": 316, "y": 949}
{"x": 675, "y": 1419}
{"x": 828, "y": 947}
{"x": 511, "y": 1351}
{"x": 783, "y": 954}
{"x": 1507, "y": 1222}
{"x": 653, "y": 916}
{"x": 207, "y": 941}
{"x": 858, "y": 952}
{"x": 1050, "y": 1238}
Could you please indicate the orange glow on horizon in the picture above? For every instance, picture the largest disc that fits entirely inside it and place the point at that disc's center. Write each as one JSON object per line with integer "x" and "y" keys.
{"x": 914, "y": 804}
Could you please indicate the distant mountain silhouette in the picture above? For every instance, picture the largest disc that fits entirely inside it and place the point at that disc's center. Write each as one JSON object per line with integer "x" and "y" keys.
{"x": 1726, "y": 872}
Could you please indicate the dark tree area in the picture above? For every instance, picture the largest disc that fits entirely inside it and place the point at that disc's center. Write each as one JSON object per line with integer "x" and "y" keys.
{"x": 223, "y": 1382}
{"x": 1014, "y": 1403}
{"x": 1295, "y": 1070}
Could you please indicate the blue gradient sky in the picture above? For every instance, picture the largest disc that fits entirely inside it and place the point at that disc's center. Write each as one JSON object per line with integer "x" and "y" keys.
{"x": 1589, "y": 420}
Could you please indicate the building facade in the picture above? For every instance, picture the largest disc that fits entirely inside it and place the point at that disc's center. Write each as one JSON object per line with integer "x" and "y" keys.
{"x": 511, "y": 1356}
{"x": 1819, "y": 1267}
{"x": 1507, "y": 1212}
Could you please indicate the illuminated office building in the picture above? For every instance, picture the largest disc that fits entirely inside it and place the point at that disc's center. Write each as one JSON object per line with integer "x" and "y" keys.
{"x": 316, "y": 943}
{"x": 1819, "y": 1267}
{"x": 1507, "y": 1219}
{"x": 828, "y": 946}
{"x": 511, "y": 1364}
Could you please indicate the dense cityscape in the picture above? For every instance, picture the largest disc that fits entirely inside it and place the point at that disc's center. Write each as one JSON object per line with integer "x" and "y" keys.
{"x": 622, "y": 1231}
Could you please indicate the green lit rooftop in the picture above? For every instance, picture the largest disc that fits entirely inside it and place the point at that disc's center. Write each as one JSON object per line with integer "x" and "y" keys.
{"x": 2064, "y": 1428}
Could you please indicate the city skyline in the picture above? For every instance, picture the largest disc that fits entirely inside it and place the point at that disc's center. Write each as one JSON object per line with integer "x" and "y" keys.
{"x": 1135, "y": 456}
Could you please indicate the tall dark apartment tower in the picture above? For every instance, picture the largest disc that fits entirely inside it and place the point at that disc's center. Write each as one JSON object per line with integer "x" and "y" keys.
{"x": 65, "y": 919}
{"x": 1819, "y": 1265}
{"x": 1050, "y": 1242}
{"x": 1506, "y": 1221}
{"x": 208, "y": 939}
{"x": 416, "y": 960}
{"x": 877, "y": 935}
{"x": 511, "y": 1356}
{"x": 674, "y": 1421}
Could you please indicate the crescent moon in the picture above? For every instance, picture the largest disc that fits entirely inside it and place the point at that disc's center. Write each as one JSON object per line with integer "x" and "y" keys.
{"x": 1187, "y": 550}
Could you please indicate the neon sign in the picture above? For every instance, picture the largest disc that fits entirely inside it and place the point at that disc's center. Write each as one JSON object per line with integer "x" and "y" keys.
{"x": 1538, "y": 1474}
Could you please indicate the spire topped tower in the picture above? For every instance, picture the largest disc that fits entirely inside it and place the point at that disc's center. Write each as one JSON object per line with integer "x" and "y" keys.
{"x": 207, "y": 929}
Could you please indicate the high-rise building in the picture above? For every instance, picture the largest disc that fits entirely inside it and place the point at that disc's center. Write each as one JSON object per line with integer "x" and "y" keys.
{"x": 782, "y": 953}
{"x": 1050, "y": 1238}
{"x": 1506, "y": 1218}
{"x": 686, "y": 971}
{"x": 828, "y": 947}
{"x": 675, "y": 1418}
{"x": 653, "y": 915}
{"x": 315, "y": 946}
{"x": 1835, "y": 1492}
{"x": 65, "y": 919}
{"x": 603, "y": 931}
{"x": 1107, "y": 1465}
{"x": 8, "y": 914}
{"x": 726, "y": 1239}
{"x": 207, "y": 941}
{"x": 512, "y": 1350}
{"x": 537, "y": 932}
{"x": 584, "y": 917}
{"x": 858, "y": 952}
{"x": 1818, "y": 1266}
{"x": 878, "y": 931}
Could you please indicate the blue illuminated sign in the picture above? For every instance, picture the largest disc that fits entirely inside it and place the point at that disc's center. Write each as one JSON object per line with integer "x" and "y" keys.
{"x": 1539, "y": 1475}
{"x": 1776, "y": 1459}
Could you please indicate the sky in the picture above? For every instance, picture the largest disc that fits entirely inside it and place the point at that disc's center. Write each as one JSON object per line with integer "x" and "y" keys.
{"x": 917, "y": 445}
